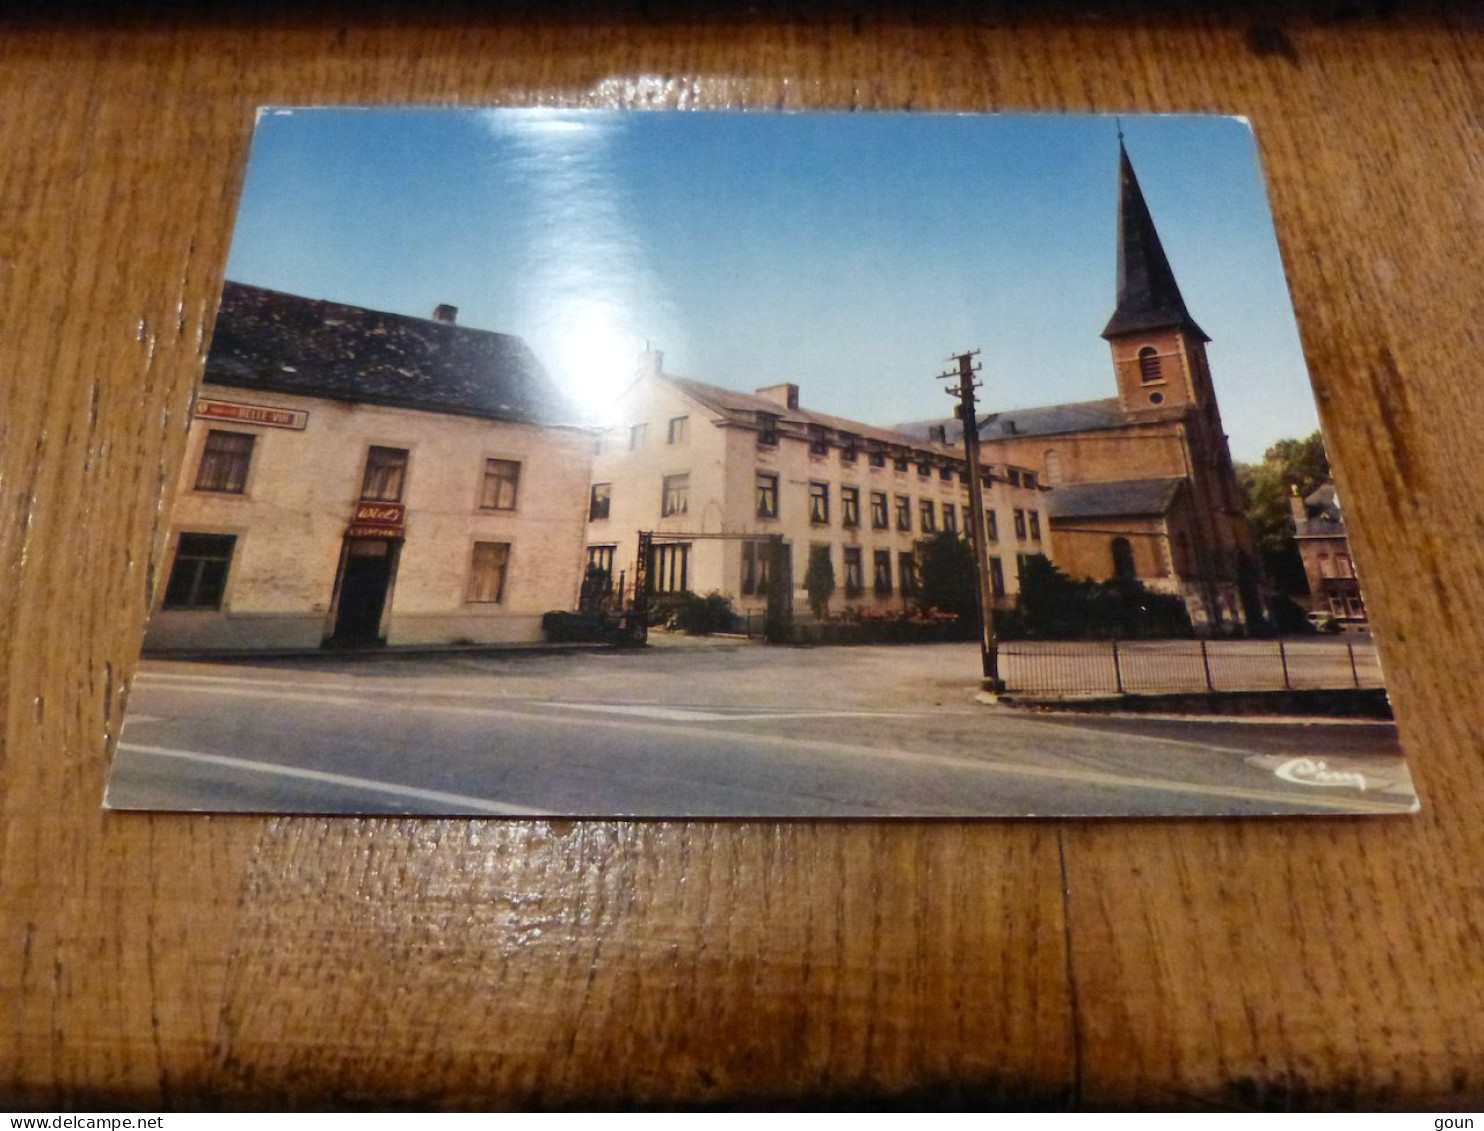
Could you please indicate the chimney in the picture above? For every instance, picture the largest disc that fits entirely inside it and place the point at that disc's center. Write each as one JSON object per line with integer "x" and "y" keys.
{"x": 651, "y": 362}
{"x": 785, "y": 394}
{"x": 446, "y": 314}
{"x": 1296, "y": 505}
{"x": 937, "y": 433}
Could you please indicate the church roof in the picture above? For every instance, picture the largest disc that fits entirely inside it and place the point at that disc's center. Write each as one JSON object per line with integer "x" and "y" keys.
{"x": 286, "y": 343}
{"x": 1148, "y": 298}
{"x": 1119, "y": 499}
{"x": 1051, "y": 420}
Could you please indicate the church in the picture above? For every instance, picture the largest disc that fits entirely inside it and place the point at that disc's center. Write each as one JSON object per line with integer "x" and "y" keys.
{"x": 1142, "y": 484}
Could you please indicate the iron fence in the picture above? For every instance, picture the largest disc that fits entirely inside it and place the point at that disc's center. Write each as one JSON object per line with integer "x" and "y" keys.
{"x": 1171, "y": 666}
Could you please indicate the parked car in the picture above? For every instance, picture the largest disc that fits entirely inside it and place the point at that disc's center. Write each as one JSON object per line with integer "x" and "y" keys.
{"x": 1324, "y": 622}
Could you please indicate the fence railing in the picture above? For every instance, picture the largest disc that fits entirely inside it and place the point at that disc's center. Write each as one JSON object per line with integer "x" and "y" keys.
{"x": 1169, "y": 666}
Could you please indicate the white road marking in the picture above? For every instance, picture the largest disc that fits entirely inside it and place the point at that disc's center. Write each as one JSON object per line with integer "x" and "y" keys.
{"x": 137, "y": 719}
{"x": 437, "y": 796}
{"x": 701, "y": 715}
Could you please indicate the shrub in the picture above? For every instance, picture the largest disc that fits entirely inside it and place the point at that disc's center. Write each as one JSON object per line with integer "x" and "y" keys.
{"x": 693, "y": 614}
{"x": 819, "y": 580}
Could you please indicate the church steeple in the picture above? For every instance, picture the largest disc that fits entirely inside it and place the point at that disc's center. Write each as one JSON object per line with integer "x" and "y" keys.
{"x": 1148, "y": 298}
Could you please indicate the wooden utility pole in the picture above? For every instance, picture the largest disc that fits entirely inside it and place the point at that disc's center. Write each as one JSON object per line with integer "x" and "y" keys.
{"x": 968, "y": 414}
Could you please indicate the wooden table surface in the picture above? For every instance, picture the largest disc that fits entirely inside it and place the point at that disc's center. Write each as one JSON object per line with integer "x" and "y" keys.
{"x": 173, "y": 961}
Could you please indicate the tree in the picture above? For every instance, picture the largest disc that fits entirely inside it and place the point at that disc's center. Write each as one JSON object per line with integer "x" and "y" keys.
{"x": 1268, "y": 486}
{"x": 819, "y": 580}
{"x": 949, "y": 581}
{"x": 1056, "y": 607}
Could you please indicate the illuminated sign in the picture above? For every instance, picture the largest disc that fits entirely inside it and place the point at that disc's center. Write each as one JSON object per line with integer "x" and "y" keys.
{"x": 378, "y": 520}
{"x": 209, "y": 409}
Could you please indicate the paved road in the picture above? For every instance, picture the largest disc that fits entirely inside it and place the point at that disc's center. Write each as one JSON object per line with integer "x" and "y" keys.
{"x": 692, "y": 728}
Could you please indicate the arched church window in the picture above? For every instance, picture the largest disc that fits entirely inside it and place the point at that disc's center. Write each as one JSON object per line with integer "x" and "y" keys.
{"x": 1123, "y": 560}
{"x": 1053, "y": 466}
{"x": 1149, "y": 365}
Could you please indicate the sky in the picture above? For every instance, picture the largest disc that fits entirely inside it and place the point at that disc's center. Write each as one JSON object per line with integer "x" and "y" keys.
{"x": 851, "y": 254}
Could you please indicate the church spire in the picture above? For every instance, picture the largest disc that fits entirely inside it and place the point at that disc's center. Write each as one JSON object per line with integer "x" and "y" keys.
{"x": 1148, "y": 298}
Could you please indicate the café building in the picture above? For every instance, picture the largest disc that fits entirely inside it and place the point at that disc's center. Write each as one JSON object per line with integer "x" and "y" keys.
{"x": 355, "y": 478}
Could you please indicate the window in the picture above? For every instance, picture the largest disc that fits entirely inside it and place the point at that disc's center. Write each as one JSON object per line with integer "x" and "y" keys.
{"x": 767, "y": 496}
{"x": 849, "y": 447}
{"x": 876, "y": 459}
{"x": 757, "y": 568}
{"x": 904, "y": 513}
{"x": 599, "y": 500}
{"x": 1019, "y": 523}
{"x": 1021, "y": 561}
{"x": 991, "y": 525}
{"x": 678, "y": 427}
{"x": 501, "y": 484}
{"x": 996, "y": 577}
{"x": 900, "y": 463}
{"x": 950, "y": 518}
{"x": 924, "y": 469}
{"x": 1343, "y": 568}
{"x": 1053, "y": 467}
{"x": 945, "y": 474}
{"x": 1149, "y": 366}
{"x": 487, "y": 572}
{"x": 386, "y": 469}
{"x": 854, "y": 581}
{"x": 819, "y": 503}
{"x": 198, "y": 579}
{"x": 850, "y": 506}
{"x": 671, "y": 567}
{"x": 600, "y": 558}
{"x": 636, "y": 436}
{"x": 819, "y": 441}
{"x": 597, "y": 579}
{"x": 767, "y": 429}
{"x": 907, "y": 571}
{"x": 1326, "y": 567}
{"x": 1123, "y": 559}
{"x": 224, "y": 461}
{"x": 929, "y": 515}
{"x": 1028, "y": 479}
{"x": 1035, "y": 517}
{"x": 878, "y": 510}
{"x": 1013, "y": 475}
{"x": 676, "y": 497}
{"x": 881, "y": 563}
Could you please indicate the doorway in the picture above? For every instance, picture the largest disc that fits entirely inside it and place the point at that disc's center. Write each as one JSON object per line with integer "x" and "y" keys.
{"x": 366, "y": 573}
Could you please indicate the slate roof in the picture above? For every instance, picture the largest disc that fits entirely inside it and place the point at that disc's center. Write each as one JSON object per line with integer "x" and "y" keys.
{"x": 1148, "y": 298}
{"x": 1325, "y": 519}
{"x": 742, "y": 408}
{"x": 1121, "y": 499}
{"x": 1081, "y": 416}
{"x": 286, "y": 343}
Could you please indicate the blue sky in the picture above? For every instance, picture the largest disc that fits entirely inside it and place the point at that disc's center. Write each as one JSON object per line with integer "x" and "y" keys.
{"x": 851, "y": 253}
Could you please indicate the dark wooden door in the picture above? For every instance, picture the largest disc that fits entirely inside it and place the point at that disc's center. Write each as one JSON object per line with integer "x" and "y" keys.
{"x": 364, "y": 581}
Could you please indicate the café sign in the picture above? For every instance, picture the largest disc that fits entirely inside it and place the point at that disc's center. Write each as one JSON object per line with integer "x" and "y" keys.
{"x": 210, "y": 409}
{"x": 378, "y": 520}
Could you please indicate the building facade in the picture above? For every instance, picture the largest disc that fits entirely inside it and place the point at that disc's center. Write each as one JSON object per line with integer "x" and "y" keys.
{"x": 1142, "y": 483}
{"x": 1324, "y": 546}
{"x": 354, "y": 477}
{"x": 714, "y": 474}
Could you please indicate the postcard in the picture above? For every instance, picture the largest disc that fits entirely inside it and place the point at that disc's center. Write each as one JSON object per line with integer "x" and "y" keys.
{"x": 689, "y": 464}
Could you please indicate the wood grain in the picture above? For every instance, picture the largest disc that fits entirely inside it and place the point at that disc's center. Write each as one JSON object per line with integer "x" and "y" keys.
{"x": 173, "y": 961}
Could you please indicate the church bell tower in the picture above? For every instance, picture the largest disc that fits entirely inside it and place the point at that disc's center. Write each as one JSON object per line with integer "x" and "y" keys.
{"x": 1159, "y": 353}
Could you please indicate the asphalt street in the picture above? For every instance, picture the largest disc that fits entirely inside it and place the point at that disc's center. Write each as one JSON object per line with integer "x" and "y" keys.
{"x": 692, "y": 728}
